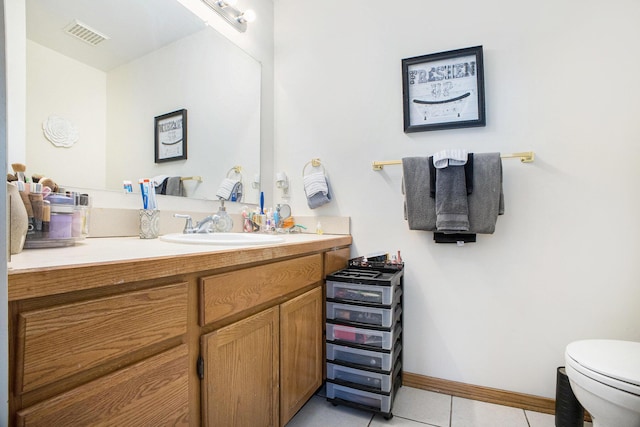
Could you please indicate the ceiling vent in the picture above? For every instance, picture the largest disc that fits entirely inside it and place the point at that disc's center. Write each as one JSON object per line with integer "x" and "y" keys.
{"x": 85, "y": 33}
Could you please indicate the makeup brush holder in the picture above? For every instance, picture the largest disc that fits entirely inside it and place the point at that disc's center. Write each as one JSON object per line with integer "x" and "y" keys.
{"x": 59, "y": 220}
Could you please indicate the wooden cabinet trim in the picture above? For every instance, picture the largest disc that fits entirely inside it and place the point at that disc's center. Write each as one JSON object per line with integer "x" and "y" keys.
{"x": 73, "y": 278}
{"x": 90, "y": 333}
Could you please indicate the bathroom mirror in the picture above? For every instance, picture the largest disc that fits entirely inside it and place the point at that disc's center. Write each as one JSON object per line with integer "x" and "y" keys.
{"x": 156, "y": 58}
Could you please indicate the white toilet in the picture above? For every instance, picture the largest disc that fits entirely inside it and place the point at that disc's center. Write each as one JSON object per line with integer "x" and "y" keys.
{"x": 605, "y": 377}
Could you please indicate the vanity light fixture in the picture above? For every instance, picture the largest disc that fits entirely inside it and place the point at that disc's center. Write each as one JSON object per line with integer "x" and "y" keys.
{"x": 226, "y": 9}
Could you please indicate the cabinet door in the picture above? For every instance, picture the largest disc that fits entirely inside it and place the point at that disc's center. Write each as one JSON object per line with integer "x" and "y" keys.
{"x": 300, "y": 351}
{"x": 241, "y": 384}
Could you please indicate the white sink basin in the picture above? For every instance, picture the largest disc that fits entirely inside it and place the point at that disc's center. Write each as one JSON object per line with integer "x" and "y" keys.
{"x": 224, "y": 239}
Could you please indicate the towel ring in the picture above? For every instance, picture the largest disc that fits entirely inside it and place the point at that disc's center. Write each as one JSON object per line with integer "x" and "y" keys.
{"x": 314, "y": 163}
{"x": 235, "y": 171}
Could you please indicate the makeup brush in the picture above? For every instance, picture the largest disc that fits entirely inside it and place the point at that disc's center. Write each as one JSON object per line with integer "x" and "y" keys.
{"x": 46, "y": 217}
{"x": 25, "y": 200}
{"x": 36, "y": 205}
{"x": 19, "y": 169}
{"x": 48, "y": 182}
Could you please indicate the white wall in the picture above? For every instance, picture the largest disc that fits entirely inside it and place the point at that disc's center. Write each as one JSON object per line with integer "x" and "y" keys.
{"x": 258, "y": 42}
{"x": 217, "y": 83}
{"x": 561, "y": 81}
{"x": 50, "y": 76}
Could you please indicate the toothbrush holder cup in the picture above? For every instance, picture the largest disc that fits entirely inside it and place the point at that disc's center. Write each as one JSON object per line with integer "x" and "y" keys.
{"x": 149, "y": 223}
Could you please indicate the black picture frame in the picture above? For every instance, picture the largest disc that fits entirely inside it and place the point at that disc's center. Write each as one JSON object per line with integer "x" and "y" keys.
{"x": 444, "y": 90}
{"x": 171, "y": 136}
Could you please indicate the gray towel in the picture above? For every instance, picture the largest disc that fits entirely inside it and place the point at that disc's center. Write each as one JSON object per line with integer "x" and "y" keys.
{"x": 485, "y": 203}
{"x": 452, "y": 211}
{"x": 174, "y": 186}
{"x": 419, "y": 207}
{"x": 320, "y": 198}
{"x": 487, "y": 200}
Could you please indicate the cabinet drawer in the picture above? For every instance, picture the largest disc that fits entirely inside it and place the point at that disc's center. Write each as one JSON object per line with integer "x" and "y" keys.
{"x": 368, "y": 359}
{"x": 378, "y": 402}
{"x": 231, "y": 293}
{"x": 154, "y": 391}
{"x": 376, "y": 382}
{"x": 58, "y": 342}
{"x": 366, "y": 294}
{"x": 336, "y": 260}
{"x": 376, "y": 316}
{"x": 361, "y": 336}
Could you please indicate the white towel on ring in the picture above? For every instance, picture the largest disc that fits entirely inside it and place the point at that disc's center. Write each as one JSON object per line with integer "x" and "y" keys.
{"x": 226, "y": 187}
{"x": 451, "y": 157}
{"x": 315, "y": 183}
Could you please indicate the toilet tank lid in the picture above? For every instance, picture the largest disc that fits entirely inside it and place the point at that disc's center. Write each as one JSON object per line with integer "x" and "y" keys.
{"x": 615, "y": 359}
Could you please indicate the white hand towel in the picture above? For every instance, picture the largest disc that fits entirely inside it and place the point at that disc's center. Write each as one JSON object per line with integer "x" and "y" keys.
{"x": 226, "y": 187}
{"x": 158, "y": 180}
{"x": 451, "y": 157}
{"x": 315, "y": 183}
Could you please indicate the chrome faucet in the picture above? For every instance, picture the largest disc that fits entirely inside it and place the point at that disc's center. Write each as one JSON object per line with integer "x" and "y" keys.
{"x": 202, "y": 226}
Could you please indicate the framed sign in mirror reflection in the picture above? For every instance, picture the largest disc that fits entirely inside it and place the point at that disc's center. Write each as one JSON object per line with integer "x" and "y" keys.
{"x": 171, "y": 136}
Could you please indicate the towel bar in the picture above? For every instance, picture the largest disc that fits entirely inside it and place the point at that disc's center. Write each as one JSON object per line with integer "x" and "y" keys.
{"x": 188, "y": 178}
{"x": 525, "y": 157}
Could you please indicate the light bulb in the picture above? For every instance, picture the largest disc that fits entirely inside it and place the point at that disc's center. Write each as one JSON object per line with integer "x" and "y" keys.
{"x": 247, "y": 16}
{"x": 226, "y": 3}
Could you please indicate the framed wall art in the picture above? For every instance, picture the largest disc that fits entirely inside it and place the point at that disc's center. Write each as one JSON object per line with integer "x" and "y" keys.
{"x": 443, "y": 90}
{"x": 171, "y": 136}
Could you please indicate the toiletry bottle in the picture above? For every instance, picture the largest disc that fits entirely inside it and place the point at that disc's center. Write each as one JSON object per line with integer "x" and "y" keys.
{"x": 319, "y": 228}
{"x": 246, "y": 221}
{"x": 225, "y": 223}
{"x": 270, "y": 227}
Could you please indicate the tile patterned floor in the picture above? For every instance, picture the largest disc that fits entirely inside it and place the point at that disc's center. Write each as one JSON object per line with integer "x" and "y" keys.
{"x": 419, "y": 408}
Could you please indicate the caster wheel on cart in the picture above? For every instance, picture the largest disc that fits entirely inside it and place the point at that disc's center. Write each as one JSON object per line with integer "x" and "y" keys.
{"x": 388, "y": 417}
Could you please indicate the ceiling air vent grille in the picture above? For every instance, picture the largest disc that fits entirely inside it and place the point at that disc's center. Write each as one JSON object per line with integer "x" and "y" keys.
{"x": 85, "y": 33}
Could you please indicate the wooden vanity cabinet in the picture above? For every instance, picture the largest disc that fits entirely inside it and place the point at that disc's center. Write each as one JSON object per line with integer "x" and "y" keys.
{"x": 260, "y": 370}
{"x": 230, "y": 339}
{"x": 111, "y": 360}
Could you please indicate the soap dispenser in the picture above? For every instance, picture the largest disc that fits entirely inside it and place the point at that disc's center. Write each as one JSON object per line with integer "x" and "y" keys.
{"x": 225, "y": 223}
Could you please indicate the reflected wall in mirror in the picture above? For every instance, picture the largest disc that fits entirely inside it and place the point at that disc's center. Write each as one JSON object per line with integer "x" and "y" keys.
{"x": 113, "y": 102}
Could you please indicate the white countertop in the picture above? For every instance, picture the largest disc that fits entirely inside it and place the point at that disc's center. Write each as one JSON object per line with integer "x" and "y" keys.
{"x": 110, "y": 249}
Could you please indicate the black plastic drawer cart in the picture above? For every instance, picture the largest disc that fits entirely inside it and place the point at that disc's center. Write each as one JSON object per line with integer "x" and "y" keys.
{"x": 364, "y": 335}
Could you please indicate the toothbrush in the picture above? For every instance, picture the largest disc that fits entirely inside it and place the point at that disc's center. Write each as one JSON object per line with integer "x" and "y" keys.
{"x": 262, "y": 203}
{"x": 145, "y": 195}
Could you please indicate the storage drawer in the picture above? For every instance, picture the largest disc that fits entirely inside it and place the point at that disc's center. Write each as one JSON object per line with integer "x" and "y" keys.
{"x": 384, "y": 317}
{"x": 379, "y": 402}
{"x": 371, "y": 294}
{"x": 152, "y": 392}
{"x": 365, "y": 358}
{"x": 367, "y": 380}
{"x": 361, "y": 336}
{"x": 58, "y": 342}
{"x": 227, "y": 294}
